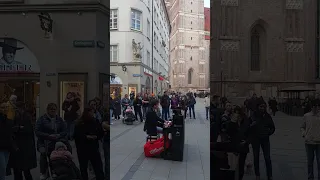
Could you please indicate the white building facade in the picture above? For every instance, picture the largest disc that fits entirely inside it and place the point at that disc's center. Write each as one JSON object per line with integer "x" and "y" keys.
{"x": 139, "y": 46}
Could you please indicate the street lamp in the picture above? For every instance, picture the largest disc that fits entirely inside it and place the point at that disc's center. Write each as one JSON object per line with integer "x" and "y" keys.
{"x": 124, "y": 68}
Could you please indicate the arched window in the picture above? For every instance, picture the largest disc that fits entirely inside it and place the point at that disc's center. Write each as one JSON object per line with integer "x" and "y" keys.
{"x": 257, "y": 33}
{"x": 190, "y": 73}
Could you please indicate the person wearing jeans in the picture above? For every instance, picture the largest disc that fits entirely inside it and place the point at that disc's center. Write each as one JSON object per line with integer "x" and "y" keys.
{"x": 311, "y": 134}
{"x": 262, "y": 127}
{"x": 191, "y": 103}
{"x": 207, "y": 105}
{"x": 165, "y": 104}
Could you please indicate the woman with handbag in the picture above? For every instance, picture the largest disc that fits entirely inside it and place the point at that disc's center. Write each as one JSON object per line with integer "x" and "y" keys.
{"x": 238, "y": 130}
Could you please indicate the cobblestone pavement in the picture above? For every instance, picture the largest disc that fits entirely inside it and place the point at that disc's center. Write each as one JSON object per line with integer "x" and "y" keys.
{"x": 287, "y": 151}
{"x": 129, "y": 163}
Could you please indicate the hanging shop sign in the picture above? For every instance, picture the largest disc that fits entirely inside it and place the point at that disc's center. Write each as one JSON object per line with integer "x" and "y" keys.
{"x": 147, "y": 72}
{"x": 161, "y": 78}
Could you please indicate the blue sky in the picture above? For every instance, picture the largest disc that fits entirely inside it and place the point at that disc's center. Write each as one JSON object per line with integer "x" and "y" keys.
{"x": 206, "y": 3}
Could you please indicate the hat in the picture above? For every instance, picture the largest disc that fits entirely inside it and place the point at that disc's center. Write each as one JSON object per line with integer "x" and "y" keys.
{"x": 10, "y": 43}
{"x": 60, "y": 145}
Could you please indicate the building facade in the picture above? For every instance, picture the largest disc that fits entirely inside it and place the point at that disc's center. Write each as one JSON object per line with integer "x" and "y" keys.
{"x": 52, "y": 48}
{"x": 262, "y": 46}
{"x": 139, "y": 46}
{"x": 187, "y": 45}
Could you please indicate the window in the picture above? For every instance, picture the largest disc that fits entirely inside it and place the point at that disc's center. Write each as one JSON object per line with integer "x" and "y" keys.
{"x": 256, "y": 48}
{"x": 114, "y": 19}
{"x": 190, "y": 73}
{"x": 148, "y": 29}
{"x": 136, "y": 20}
{"x": 148, "y": 59}
{"x": 201, "y": 68}
{"x": 113, "y": 53}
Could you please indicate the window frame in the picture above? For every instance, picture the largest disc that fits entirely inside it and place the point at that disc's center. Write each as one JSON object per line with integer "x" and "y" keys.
{"x": 112, "y": 18}
{"x": 136, "y": 11}
{"x": 112, "y": 54}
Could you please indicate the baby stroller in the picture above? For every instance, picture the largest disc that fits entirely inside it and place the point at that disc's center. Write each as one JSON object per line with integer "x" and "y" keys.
{"x": 129, "y": 116}
{"x": 62, "y": 168}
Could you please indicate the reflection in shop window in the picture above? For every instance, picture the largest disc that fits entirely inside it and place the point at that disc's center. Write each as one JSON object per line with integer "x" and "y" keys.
{"x": 71, "y": 92}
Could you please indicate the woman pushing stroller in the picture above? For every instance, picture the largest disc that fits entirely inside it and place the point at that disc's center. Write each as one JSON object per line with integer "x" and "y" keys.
{"x": 50, "y": 128}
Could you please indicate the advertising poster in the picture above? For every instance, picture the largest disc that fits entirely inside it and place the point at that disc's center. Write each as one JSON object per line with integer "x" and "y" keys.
{"x": 73, "y": 90}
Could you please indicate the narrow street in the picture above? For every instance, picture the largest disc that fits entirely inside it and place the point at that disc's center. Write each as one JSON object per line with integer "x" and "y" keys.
{"x": 129, "y": 163}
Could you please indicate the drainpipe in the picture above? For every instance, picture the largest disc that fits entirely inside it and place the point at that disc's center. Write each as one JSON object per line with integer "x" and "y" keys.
{"x": 152, "y": 34}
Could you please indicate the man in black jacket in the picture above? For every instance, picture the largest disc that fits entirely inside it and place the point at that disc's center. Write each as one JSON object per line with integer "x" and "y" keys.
{"x": 262, "y": 127}
{"x": 154, "y": 123}
{"x": 165, "y": 104}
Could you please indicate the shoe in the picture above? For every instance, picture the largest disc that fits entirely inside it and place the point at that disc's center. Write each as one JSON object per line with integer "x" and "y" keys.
{"x": 258, "y": 178}
{"x": 270, "y": 178}
{"x": 43, "y": 177}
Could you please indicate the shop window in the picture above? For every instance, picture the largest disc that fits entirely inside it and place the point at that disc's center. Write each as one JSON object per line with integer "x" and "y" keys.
{"x": 72, "y": 88}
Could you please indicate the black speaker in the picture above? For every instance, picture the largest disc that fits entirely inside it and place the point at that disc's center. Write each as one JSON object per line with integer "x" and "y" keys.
{"x": 177, "y": 143}
{"x": 178, "y": 120}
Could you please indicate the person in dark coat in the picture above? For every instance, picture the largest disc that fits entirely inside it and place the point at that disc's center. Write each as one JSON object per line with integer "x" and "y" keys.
{"x": 106, "y": 148}
{"x": 7, "y": 144}
{"x": 238, "y": 129}
{"x": 117, "y": 106}
{"x": 70, "y": 107}
{"x": 88, "y": 133}
{"x": 50, "y": 128}
{"x": 25, "y": 159}
{"x": 137, "y": 104}
{"x": 262, "y": 127}
{"x": 273, "y": 105}
{"x": 154, "y": 124}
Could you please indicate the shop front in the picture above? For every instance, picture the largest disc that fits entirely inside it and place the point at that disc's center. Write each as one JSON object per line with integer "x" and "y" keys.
{"x": 148, "y": 75}
{"x": 40, "y": 66}
{"x": 116, "y": 86}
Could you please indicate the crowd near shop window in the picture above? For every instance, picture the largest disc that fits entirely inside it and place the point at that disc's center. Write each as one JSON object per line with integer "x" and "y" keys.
{"x": 114, "y": 53}
{"x": 113, "y": 19}
{"x": 148, "y": 59}
{"x": 255, "y": 50}
{"x": 136, "y": 19}
{"x": 190, "y": 73}
{"x": 148, "y": 29}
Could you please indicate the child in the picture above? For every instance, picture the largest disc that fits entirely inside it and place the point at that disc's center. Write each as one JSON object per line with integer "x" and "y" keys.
{"x": 60, "y": 152}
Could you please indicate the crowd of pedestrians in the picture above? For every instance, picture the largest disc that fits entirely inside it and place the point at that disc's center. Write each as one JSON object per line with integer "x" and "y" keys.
{"x": 51, "y": 136}
{"x": 234, "y": 128}
{"x": 141, "y": 104}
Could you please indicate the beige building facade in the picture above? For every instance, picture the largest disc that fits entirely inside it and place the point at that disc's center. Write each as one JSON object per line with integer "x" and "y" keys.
{"x": 262, "y": 46}
{"x": 42, "y": 67}
{"x": 187, "y": 45}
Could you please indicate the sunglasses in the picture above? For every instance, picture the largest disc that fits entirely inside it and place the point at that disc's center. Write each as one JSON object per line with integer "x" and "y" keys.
{"x": 53, "y": 109}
